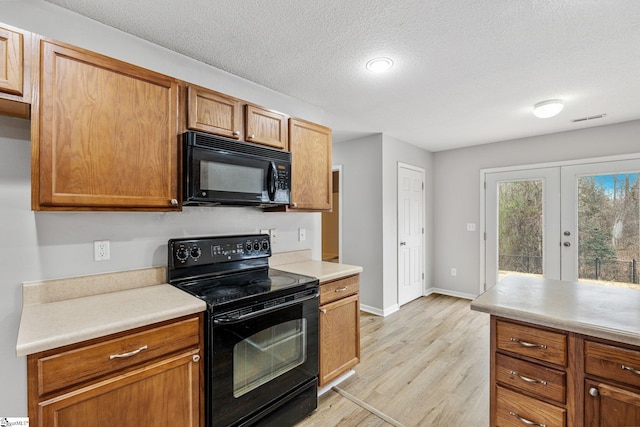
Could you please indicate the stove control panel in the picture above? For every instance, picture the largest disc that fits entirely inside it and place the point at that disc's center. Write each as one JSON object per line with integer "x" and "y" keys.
{"x": 212, "y": 250}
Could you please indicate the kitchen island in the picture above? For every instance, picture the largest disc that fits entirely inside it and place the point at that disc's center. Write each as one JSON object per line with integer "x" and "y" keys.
{"x": 563, "y": 354}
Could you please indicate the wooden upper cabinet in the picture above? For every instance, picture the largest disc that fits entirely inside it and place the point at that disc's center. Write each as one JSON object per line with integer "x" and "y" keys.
{"x": 103, "y": 135}
{"x": 266, "y": 127}
{"x": 15, "y": 59}
{"x": 213, "y": 112}
{"x": 311, "y": 183}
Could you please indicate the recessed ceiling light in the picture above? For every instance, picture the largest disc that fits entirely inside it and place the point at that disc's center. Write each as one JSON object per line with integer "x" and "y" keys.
{"x": 548, "y": 108}
{"x": 379, "y": 65}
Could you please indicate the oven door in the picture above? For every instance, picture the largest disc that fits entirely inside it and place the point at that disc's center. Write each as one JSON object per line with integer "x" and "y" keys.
{"x": 258, "y": 361}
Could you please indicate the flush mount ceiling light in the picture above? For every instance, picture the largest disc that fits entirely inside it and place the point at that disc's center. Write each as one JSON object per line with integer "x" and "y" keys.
{"x": 379, "y": 65}
{"x": 548, "y": 108}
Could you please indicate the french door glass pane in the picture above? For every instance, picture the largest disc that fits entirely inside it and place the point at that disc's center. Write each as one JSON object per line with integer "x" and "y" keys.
{"x": 520, "y": 227}
{"x": 608, "y": 229}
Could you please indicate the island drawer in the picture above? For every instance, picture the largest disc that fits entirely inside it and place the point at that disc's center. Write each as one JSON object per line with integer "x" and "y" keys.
{"x": 530, "y": 377}
{"x": 334, "y": 290}
{"x": 541, "y": 344}
{"x": 612, "y": 362}
{"x": 517, "y": 410}
{"x": 74, "y": 364}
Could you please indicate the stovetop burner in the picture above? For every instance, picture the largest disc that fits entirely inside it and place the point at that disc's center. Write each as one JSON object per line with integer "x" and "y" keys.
{"x": 230, "y": 270}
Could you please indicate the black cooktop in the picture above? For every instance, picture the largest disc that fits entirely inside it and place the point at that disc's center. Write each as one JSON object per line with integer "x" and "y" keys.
{"x": 230, "y": 271}
{"x": 247, "y": 286}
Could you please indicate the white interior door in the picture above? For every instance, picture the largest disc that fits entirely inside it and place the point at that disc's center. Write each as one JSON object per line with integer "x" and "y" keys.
{"x": 410, "y": 233}
{"x": 521, "y": 211}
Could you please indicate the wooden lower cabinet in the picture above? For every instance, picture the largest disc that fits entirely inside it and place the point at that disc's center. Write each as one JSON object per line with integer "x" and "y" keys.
{"x": 149, "y": 377}
{"x": 541, "y": 376}
{"x": 339, "y": 328}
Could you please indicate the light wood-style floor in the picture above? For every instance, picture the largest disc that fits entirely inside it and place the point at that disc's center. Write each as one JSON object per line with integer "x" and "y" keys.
{"x": 425, "y": 365}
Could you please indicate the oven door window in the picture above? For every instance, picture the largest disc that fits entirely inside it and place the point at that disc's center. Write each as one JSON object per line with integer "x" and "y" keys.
{"x": 268, "y": 354}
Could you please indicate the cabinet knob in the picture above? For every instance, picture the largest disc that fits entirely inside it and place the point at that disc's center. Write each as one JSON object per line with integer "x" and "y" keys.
{"x": 294, "y": 204}
{"x": 236, "y": 133}
{"x": 323, "y": 311}
{"x": 174, "y": 202}
{"x": 196, "y": 357}
{"x": 252, "y": 136}
{"x": 594, "y": 392}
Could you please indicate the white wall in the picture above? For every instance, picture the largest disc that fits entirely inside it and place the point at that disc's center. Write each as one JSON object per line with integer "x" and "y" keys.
{"x": 44, "y": 245}
{"x": 361, "y": 161}
{"x": 457, "y": 190}
{"x": 370, "y": 213}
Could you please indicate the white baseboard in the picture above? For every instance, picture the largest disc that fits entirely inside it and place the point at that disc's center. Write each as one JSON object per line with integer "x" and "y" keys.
{"x": 450, "y": 293}
{"x": 378, "y": 312}
{"x": 335, "y": 382}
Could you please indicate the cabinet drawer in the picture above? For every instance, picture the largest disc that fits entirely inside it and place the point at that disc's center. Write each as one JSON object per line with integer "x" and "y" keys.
{"x": 532, "y": 342}
{"x": 340, "y": 288}
{"x": 59, "y": 369}
{"x": 514, "y": 409}
{"x": 616, "y": 363}
{"x": 542, "y": 381}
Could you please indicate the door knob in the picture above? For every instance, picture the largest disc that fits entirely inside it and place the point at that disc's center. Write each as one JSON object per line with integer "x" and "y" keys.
{"x": 594, "y": 392}
{"x": 567, "y": 244}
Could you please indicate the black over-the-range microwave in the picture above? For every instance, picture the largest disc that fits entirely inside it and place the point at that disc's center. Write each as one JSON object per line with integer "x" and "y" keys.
{"x": 222, "y": 171}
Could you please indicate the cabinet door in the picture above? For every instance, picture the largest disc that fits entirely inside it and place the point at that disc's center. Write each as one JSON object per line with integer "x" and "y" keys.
{"x": 339, "y": 338}
{"x": 607, "y": 405}
{"x": 311, "y": 183}
{"x": 266, "y": 127}
{"x": 163, "y": 394}
{"x": 105, "y": 136}
{"x": 11, "y": 61}
{"x": 214, "y": 112}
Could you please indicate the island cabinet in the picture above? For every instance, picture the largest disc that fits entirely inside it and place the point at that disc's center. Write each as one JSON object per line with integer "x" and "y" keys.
{"x": 220, "y": 114}
{"x": 542, "y": 376}
{"x": 529, "y": 376}
{"x": 15, "y": 80}
{"x": 104, "y": 134}
{"x": 612, "y": 384}
{"x": 149, "y": 376}
{"x": 311, "y": 182}
{"x": 339, "y": 327}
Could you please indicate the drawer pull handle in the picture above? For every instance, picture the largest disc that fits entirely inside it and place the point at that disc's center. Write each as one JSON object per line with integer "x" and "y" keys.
{"x": 629, "y": 368}
{"x": 528, "y": 344}
{"x": 129, "y": 354}
{"x": 527, "y": 379}
{"x": 341, "y": 289}
{"x": 526, "y": 421}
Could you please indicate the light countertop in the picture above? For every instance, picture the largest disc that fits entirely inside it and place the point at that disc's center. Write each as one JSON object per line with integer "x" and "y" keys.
{"x": 606, "y": 312}
{"x": 66, "y": 311}
{"x": 322, "y": 270}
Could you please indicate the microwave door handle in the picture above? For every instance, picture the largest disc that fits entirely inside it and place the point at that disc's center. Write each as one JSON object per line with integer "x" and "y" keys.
{"x": 271, "y": 181}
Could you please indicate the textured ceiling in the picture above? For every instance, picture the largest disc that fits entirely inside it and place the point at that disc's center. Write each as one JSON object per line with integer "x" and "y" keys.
{"x": 466, "y": 71}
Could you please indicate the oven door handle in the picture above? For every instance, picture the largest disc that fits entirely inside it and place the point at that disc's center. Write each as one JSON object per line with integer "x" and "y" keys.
{"x": 232, "y": 320}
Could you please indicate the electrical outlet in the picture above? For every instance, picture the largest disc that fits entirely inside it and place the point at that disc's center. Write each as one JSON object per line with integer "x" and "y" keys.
{"x": 302, "y": 234}
{"x": 471, "y": 226}
{"x": 101, "y": 250}
{"x": 454, "y": 272}
{"x": 274, "y": 235}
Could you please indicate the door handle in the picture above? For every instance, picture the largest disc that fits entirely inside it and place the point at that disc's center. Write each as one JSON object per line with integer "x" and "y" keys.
{"x": 567, "y": 244}
{"x": 403, "y": 243}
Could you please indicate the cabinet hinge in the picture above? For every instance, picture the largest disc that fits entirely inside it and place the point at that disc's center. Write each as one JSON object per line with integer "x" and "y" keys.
{"x": 422, "y": 276}
{"x": 423, "y": 186}
{"x": 485, "y": 185}
{"x": 485, "y": 235}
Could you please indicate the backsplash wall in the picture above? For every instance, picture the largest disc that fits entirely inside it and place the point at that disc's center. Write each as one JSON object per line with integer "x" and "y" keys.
{"x": 46, "y": 245}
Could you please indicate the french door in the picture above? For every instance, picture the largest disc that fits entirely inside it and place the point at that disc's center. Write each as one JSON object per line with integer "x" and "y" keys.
{"x": 577, "y": 222}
